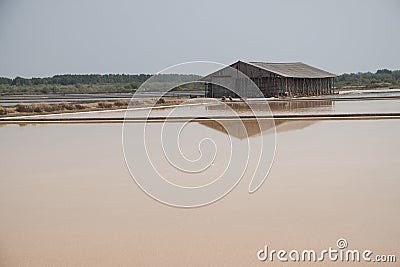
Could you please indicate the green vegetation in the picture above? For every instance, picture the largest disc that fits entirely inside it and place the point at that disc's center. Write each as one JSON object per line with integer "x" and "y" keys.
{"x": 90, "y": 83}
{"x": 382, "y": 78}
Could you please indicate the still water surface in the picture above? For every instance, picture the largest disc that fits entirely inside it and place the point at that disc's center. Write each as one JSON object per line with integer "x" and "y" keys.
{"x": 67, "y": 199}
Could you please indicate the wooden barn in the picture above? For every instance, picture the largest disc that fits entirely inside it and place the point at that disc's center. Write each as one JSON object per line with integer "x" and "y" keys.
{"x": 273, "y": 79}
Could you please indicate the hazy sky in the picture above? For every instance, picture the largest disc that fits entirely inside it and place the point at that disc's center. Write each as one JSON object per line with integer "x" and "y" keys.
{"x": 47, "y": 37}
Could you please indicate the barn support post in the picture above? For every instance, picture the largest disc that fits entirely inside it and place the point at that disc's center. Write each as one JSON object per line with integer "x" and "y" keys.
{"x": 320, "y": 86}
{"x": 306, "y": 86}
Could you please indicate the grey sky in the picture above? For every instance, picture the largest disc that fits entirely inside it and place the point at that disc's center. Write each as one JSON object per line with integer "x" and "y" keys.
{"x": 47, "y": 37}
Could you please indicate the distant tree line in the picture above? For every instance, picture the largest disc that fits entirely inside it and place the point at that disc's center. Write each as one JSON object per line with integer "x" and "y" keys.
{"x": 87, "y": 83}
{"x": 72, "y": 79}
{"x": 382, "y": 77}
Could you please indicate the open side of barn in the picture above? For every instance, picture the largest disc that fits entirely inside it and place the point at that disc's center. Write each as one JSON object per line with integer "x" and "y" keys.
{"x": 273, "y": 79}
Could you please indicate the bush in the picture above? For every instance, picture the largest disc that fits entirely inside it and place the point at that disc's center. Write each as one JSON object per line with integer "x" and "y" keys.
{"x": 23, "y": 108}
{"x": 79, "y": 106}
{"x": 45, "y": 90}
{"x": 121, "y": 103}
{"x": 37, "y": 109}
{"x": 105, "y": 105}
{"x": 161, "y": 101}
{"x": 48, "y": 107}
{"x": 3, "y": 111}
{"x": 67, "y": 106}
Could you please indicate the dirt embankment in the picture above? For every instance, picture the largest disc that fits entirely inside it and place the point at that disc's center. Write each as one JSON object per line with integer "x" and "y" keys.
{"x": 37, "y": 109}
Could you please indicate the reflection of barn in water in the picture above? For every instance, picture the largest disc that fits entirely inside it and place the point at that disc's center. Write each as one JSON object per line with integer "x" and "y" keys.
{"x": 273, "y": 79}
{"x": 300, "y": 105}
{"x": 243, "y": 128}
{"x": 275, "y": 106}
{"x": 247, "y": 128}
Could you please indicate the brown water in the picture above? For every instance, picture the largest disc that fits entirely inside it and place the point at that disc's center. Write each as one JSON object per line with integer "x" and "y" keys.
{"x": 67, "y": 199}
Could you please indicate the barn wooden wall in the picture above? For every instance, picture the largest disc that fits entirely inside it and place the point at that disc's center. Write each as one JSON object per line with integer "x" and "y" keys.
{"x": 270, "y": 84}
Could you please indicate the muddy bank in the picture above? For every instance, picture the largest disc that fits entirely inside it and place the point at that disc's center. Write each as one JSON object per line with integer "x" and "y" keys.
{"x": 66, "y": 107}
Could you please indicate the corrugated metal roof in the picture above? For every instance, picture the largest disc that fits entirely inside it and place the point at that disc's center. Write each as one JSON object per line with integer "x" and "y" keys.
{"x": 294, "y": 70}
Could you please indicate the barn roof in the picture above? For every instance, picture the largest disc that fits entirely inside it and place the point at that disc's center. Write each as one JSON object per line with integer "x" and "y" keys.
{"x": 293, "y": 70}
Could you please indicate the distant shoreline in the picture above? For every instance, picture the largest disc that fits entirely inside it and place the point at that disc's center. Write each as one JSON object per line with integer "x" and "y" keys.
{"x": 71, "y": 107}
{"x": 67, "y": 107}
